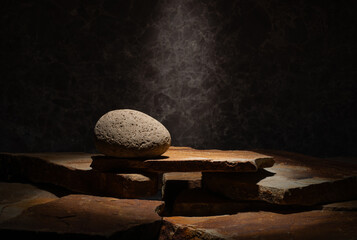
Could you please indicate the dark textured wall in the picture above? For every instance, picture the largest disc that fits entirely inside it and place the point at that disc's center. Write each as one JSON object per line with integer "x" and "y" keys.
{"x": 232, "y": 74}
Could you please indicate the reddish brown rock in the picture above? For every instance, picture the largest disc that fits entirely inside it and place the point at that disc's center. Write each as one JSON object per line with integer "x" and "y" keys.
{"x": 178, "y": 181}
{"x": 17, "y": 197}
{"x": 341, "y": 206}
{"x": 73, "y": 171}
{"x": 198, "y": 202}
{"x": 294, "y": 179}
{"x": 183, "y": 196}
{"x": 263, "y": 225}
{"x": 84, "y": 216}
{"x": 185, "y": 159}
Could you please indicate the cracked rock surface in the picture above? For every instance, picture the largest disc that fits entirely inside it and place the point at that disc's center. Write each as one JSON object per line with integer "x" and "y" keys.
{"x": 130, "y": 133}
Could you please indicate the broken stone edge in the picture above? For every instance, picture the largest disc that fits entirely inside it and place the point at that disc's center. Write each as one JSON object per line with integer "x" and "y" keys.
{"x": 192, "y": 165}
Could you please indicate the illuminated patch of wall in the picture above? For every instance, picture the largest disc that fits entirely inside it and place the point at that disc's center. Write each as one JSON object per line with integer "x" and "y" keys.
{"x": 180, "y": 48}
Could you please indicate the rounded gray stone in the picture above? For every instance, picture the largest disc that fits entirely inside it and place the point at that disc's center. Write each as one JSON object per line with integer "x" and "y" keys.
{"x": 129, "y": 133}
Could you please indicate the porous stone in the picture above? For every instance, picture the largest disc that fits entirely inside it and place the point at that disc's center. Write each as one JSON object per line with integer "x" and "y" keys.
{"x": 17, "y": 197}
{"x": 129, "y": 133}
{"x": 72, "y": 171}
{"x": 87, "y": 217}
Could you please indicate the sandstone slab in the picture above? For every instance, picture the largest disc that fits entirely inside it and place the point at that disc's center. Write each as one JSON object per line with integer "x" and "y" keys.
{"x": 17, "y": 197}
{"x": 294, "y": 179}
{"x": 184, "y": 196}
{"x": 87, "y": 217}
{"x": 199, "y": 202}
{"x": 127, "y": 133}
{"x": 263, "y": 225}
{"x": 73, "y": 171}
{"x": 341, "y": 206}
{"x": 185, "y": 159}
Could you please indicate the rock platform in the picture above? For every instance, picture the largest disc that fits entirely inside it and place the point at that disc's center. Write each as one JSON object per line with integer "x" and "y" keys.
{"x": 283, "y": 196}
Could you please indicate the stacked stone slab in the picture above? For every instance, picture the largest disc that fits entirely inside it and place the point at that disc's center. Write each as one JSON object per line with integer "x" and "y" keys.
{"x": 295, "y": 179}
{"x": 243, "y": 180}
{"x": 267, "y": 194}
{"x": 72, "y": 171}
{"x": 33, "y": 213}
{"x": 295, "y": 182}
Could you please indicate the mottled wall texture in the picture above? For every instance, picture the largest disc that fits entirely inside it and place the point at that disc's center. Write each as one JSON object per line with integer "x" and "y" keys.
{"x": 228, "y": 74}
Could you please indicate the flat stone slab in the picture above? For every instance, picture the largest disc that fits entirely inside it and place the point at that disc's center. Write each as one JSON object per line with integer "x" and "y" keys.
{"x": 72, "y": 171}
{"x": 341, "y": 206}
{"x": 294, "y": 179}
{"x": 84, "y": 216}
{"x": 198, "y": 202}
{"x": 263, "y": 225}
{"x": 184, "y": 159}
{"x": 17, "y": 197}
{"x": 184, "y": 196}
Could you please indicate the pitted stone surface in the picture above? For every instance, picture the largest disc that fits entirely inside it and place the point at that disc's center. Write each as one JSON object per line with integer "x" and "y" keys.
{"x": 130, "y": 133}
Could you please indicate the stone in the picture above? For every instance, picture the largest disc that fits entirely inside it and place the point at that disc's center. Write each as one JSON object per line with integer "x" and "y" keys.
{"x": 87, "y": 217}
{"x": 199, "y": 202}
{"x": 184, "y": 196}
{"x": 341, "y": 206}
{"x": 72, "y": 171}
{"x": 263, "y": 225}
{"x": 174, "y": 183}
{"x": 185, "y": 159}
{"x": 129, "y": 133}
{"x": 295, "y": 179}
{"x": 17, "y": 197}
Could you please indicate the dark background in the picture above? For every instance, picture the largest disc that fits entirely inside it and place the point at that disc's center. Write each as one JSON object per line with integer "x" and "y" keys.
{"x": 229, "y": 74}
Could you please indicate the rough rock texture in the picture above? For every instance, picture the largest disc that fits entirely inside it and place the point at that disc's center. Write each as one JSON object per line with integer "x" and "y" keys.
{"x": 16, "y": 197}
{"x": 263, "y": 225}
{"x": 341, "y": 206}
{"x": 84, "y": 216}
{"x": 294, "y": 179}
{"x": 183, "y": 159}
{"x": 73, "y": 171}
{"x": 129, "y": 133}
